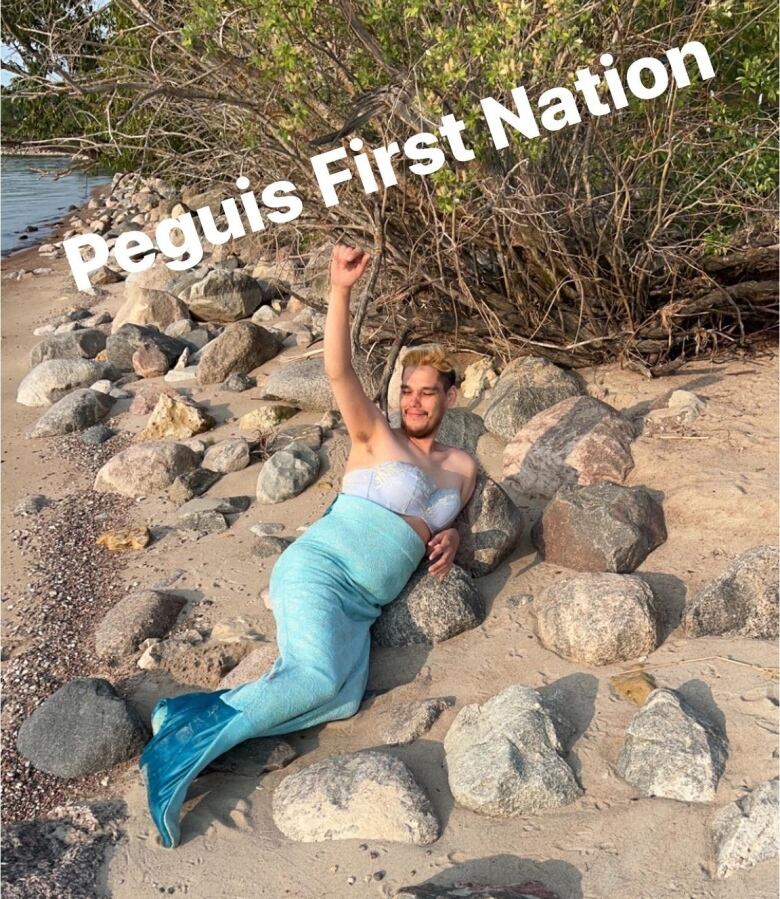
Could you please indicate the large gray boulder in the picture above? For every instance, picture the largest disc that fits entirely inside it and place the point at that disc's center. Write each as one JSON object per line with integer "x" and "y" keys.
{"x": 287, "y": 473}
{"x": 577, "y": 441}
{"x": 122, "y": 345}
{"x": 526, "y": 387}
{"x": 149, "y": 306}
{"x": 489, "y": 526}
{"x": 83, "y": 344}
{"x": 459, "y": 428}
{"x": 360, "y": 796}
{"x": 145, "y": 468}
{"x": 745, "y": 832}
{"x": 304, "y": 383}
{"x": 51, "y": 380}
{"x": 743, "y": 601}
{"x": 429, "y": 610}
{"x": 505, "y": 756}
{"x": 227, "y": 455}
{"x": 240, "y": 348}
{"x": 148, "y": 613}
{"x": 619, "y": 611}
{"x": 672, "y": 751}
{"x": 225, "y": 296}
{"x": 78, "y": 410}
{"x": 82, "y": 728}
{"x": 604, "y": 527}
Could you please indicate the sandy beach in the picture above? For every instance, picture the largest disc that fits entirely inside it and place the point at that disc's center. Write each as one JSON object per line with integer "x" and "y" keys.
{"x": 719, "y": 485}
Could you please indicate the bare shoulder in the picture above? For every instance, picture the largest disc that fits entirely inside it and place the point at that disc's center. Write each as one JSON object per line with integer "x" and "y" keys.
{"x": 462, "y": 462}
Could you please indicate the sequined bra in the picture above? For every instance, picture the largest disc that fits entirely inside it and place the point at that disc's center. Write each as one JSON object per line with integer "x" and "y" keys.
{"x": 405, "y": 488}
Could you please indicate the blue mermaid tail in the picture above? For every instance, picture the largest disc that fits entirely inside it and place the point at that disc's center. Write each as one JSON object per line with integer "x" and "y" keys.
{"x": 328, "y": 587}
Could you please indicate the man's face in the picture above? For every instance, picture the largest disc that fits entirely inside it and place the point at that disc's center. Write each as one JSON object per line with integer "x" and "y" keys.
{"x": 423, "y": 400}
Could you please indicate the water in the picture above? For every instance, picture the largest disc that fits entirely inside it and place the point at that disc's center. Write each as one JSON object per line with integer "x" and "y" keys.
{"x": 31, "y": 196}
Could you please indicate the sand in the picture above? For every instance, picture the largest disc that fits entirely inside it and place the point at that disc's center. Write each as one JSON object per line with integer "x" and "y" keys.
{"x": 719, "y": 488}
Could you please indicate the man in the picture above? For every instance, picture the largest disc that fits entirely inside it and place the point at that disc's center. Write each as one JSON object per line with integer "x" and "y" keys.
{"x": 427, "y": 391}
{"x": 401, "y": 491}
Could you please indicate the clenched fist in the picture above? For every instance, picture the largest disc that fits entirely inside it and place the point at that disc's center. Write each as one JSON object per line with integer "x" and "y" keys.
{"x": 347, "y": 264}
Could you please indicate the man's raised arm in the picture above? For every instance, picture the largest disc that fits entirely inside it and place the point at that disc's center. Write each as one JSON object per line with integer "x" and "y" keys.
{"x": 360, "y": 415}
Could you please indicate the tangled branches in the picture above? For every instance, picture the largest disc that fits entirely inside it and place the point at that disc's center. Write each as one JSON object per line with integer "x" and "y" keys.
{"x": 647, "y": 236}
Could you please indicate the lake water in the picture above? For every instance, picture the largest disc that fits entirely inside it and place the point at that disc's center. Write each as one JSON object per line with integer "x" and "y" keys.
{"x": 31, "y": 195}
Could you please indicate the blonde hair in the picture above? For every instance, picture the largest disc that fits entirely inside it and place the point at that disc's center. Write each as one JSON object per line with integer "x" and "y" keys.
{"x": 435, "y": 357}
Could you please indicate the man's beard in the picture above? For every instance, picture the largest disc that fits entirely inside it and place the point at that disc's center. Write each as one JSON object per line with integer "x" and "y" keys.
{"x": 430, "y": 427}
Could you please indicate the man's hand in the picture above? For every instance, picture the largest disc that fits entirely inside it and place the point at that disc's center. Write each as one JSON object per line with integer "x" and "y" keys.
{"x": 442, "y": 548}
{"x": 347, "y": 264}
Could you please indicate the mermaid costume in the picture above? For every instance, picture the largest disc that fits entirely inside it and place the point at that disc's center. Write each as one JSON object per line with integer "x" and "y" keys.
{"x": 327, "y": 588}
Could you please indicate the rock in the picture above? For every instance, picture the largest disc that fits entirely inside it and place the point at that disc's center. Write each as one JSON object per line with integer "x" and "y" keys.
{"x": 122, "y": 344}
{"x": 203, "y": 664}
{"x": 240, "y": 348}
{"x": 267, "y": 528}
{"x": 103, "y": 386}
{"x": 310, "y": 435}
{"x": 304, "y": 383}
{"x": 51, "y": 380}
{"x": 235, "y": 630}
{"x": 408, "y": 721}
{"x": 138, "y": 290}
{"x": 149, "y": 307}
{"x": 255, "y": 757}
{"x": 192, "y": 483}
{"x": 635, "y": 687}
{"x": 82, "y": 728}
{"x": 743, "y": 601}
{"x": 429, "y": 610}
{"x": 227, "y": 455}
{"x": 489, "y": 526}
{"x": 672, "y": 751}
{"x": 686, "y": 403}
{"x": 94, "y": 321}
{"x": 287, "y": 473}
{"x": 175, "y": 418}
{"x": 96, "y": 435}
{"x": 145, "y": 468}
{"x": 252, "y": 667}
{"x": 225, "y": 505}
{"x": 149, "y": 361}
{"x": 180, "y": 328}
{"x": 265, "y": 419}
{"x": 83, "y": 344}
{"x": 31, "y": 504}
{"x": 605, "y": 527}
{"x": 619, "y": 611}
{"x": 238, "y": 382}
{"x": 526, "y": 387}
{"x": 125, "y": 538}
{"x": 528, "y": 889}
{"x": 224, "y": 296}
{"x": 745, "y": 832}
{"x": 504, "y": 757}
{"x": 577, "y": 441}
{"x": 477, "y": 378}
{"x": 74, "y": 412}
{"x": 208, "y": 522}
{"x": 147, "y": 396}
{"x": 459, "y": 428}
{"x": 269, "y": 545}
{"x": 264, "y": 315}
{"x": 178, "y": 375}
{"x": 363, "y": 795}
{"x": 148, "y": 613}
{"x": 63, "y": 852}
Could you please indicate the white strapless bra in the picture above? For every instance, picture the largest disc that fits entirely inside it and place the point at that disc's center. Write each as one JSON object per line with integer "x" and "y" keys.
{"x": 405, "y": 488}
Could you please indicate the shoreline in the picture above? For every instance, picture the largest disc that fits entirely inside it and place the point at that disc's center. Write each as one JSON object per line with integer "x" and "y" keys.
{"x": 718, "y": 489}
